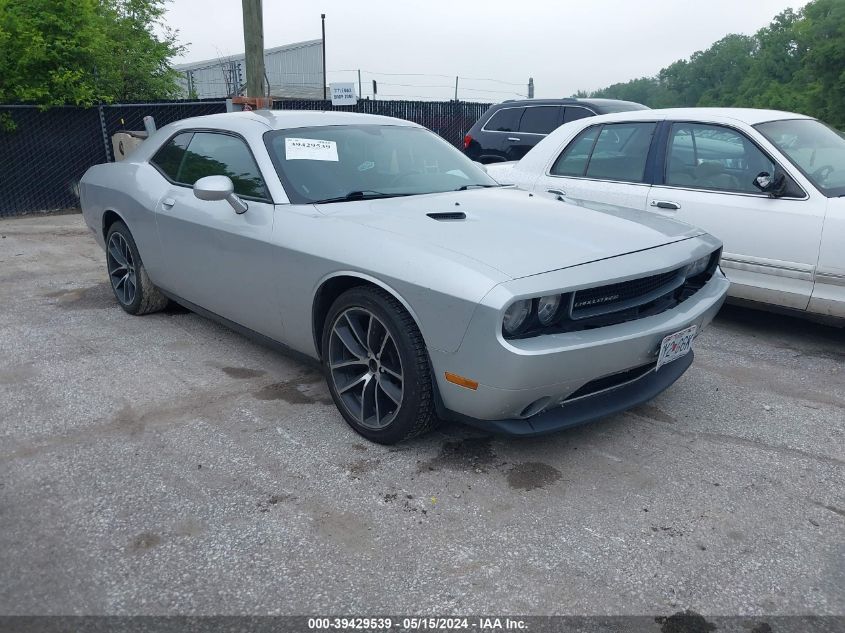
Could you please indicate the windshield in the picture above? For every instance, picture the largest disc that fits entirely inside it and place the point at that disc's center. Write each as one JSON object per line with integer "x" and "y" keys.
{"x": 353, "y": 162}
{"x": 814, "y": 148}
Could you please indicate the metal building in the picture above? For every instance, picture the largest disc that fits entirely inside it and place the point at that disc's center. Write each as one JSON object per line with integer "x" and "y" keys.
{"x": 293, "y": 71}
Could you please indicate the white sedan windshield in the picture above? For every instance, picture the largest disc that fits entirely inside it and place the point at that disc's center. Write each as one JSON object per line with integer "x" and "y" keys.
{"x": 348, "y": 162}
{"x": 816, "y": 149}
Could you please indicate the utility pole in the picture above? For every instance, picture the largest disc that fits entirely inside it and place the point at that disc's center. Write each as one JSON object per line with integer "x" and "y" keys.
{"x": 360, "y": 94}
{"x": 531, "y": 87}
{"x": 456, "y": 88}
{"x": 323, "y": 19}
{"x": 254, "y": 47}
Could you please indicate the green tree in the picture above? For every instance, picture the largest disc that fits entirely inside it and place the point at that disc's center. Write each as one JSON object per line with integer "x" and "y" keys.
{"x": 796, "y": 63}
{"x": 55, "y": 52}
{"x": 823, "y": 33}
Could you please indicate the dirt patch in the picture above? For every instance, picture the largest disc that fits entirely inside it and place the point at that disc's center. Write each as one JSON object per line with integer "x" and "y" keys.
{"x": 144, "y": 541}
{"x": 532, "y": 475}
{"x": 18, "y": 374}
{"x": 287, "y": 391}
{"x": 472, "y": 453}
{"x": 272, "y": 500}
{"x": 361, "y": 467}
{"x": 242, "y": 372}
{"x": 305, "y": 389}
{"x": 90, "y": 298}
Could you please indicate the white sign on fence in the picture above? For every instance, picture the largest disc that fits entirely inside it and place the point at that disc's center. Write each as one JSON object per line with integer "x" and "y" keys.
{"x": 343, "y": 94}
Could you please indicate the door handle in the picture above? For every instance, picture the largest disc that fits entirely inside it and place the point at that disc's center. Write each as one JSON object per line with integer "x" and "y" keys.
{"x": 513, "y": 138}
{"x": 557, "y": 192}
{"x": 665, "y": 204}
{"x": 168, "y": 203}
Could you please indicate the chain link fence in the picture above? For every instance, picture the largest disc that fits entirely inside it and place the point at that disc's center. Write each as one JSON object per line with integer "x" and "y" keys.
{"x": 449, "y": 119}
{"x": 44, "y": 153}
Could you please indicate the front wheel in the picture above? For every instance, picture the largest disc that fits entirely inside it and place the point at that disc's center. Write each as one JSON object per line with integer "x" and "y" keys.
{"x": 376, "y": 366}
{"x": 130, "y": 283}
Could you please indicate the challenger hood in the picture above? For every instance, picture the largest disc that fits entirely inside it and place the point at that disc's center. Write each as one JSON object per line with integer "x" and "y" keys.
{"x": 512, "y": 231}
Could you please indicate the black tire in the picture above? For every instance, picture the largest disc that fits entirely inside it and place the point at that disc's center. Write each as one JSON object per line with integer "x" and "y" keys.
{"x": 415, "y": 412}
{"x": 144, "y": 298}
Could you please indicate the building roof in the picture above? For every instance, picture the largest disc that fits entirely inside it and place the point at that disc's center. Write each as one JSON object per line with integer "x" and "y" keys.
{"x": 210, "y": 63}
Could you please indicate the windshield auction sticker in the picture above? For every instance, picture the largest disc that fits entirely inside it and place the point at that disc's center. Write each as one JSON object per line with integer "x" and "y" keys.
{"x": 310, "y": 149}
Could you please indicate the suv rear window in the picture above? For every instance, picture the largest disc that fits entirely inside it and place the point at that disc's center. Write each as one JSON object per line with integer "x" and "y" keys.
{"x": 504, "y": 120}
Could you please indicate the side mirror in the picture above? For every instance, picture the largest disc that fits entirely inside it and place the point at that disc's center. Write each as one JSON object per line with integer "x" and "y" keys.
{"x": 772, "y": 185}
{"x": 219, "y": 188}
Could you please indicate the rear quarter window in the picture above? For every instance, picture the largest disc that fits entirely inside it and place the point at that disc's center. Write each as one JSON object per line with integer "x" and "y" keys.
{"x": 169, "y": 158}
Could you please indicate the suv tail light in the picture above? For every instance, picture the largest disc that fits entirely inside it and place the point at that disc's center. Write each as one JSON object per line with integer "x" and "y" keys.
{"x": 467, "y": 141}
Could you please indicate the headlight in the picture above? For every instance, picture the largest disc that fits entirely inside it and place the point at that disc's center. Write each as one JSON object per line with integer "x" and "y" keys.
{"x": 698, "y": 266}
{"x": 547, "y": 308}
{"x": 516, "y": 315}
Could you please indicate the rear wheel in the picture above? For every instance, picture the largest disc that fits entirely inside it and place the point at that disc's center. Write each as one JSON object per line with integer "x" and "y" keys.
{"x": 376, "y": 366}
{"x": 130, "y": 283}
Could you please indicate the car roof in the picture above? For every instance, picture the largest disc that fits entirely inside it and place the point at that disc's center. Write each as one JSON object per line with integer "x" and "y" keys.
{"x": 749, "y": 116}
{"x": 598, "y": 104}
{"x": 284, "y": 119}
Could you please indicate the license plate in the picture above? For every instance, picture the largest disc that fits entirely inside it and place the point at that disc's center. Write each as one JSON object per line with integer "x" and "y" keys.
{"x": 676, "y": 345}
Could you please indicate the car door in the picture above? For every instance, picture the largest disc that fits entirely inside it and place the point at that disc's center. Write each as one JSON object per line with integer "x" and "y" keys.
{"x": 535, "y": 124}
{"x": 501, "y": 132}
{"x": 603, "y": 167}
{"x": 215, "y": 258}
{"x": 771, "y": 245}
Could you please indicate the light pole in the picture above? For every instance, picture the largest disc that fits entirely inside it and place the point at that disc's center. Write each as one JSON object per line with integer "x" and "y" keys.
{"x": 323, "y": 19}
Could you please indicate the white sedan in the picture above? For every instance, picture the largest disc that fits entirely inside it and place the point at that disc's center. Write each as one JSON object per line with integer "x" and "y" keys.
{"x": 770, "y": 184}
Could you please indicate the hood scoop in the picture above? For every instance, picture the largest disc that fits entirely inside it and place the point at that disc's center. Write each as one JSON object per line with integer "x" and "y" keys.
{"x": 448, "y": 216}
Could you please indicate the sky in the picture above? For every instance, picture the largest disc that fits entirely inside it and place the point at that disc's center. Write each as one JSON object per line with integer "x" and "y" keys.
{"x": 493, "y": 46}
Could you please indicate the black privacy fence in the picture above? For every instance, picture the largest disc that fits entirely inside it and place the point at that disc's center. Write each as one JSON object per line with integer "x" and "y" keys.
{"x": 44, "y": 153}
{"x": 449, "y": 119}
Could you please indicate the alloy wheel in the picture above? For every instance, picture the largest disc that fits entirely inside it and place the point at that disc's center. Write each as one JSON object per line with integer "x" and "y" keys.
{"x": 121, "y": 268}
{"x": 365, "y": 368}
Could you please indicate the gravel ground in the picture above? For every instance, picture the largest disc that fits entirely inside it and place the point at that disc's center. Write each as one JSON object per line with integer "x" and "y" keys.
{"x": 165, "y": 464}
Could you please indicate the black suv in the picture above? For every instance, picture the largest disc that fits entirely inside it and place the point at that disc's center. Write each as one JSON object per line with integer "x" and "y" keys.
{"x": 509, "y": 129}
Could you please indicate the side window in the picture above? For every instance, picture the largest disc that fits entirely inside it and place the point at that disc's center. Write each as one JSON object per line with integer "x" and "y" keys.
{"x": 608, "y": 152}
{"x": 573, "y": 160}
{"x": 573, "y": 113}
{"x": 504, "y": 120}
{"x": 621, "y": 151}
{"x": 713, "y": 157}
{"x": 169, "y": 158}
{"x": 211, "y": 154}
{"x": 540, "y": 119}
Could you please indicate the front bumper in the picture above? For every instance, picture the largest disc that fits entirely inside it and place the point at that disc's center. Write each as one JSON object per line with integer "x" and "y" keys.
{"x": 589, "y": 408}
{"x": 526, "y": 387}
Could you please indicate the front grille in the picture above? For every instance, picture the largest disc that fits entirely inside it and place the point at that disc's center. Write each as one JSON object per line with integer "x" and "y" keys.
{"x": 620, "y": 302}
{"x": 624, "y": 295}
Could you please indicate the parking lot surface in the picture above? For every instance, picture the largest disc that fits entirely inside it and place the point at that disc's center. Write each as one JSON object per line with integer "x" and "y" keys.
{"x": 164, "y": 464}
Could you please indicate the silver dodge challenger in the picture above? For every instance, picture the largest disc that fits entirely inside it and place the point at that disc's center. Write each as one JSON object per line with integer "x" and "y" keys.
{"x": 424, "y": 289}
